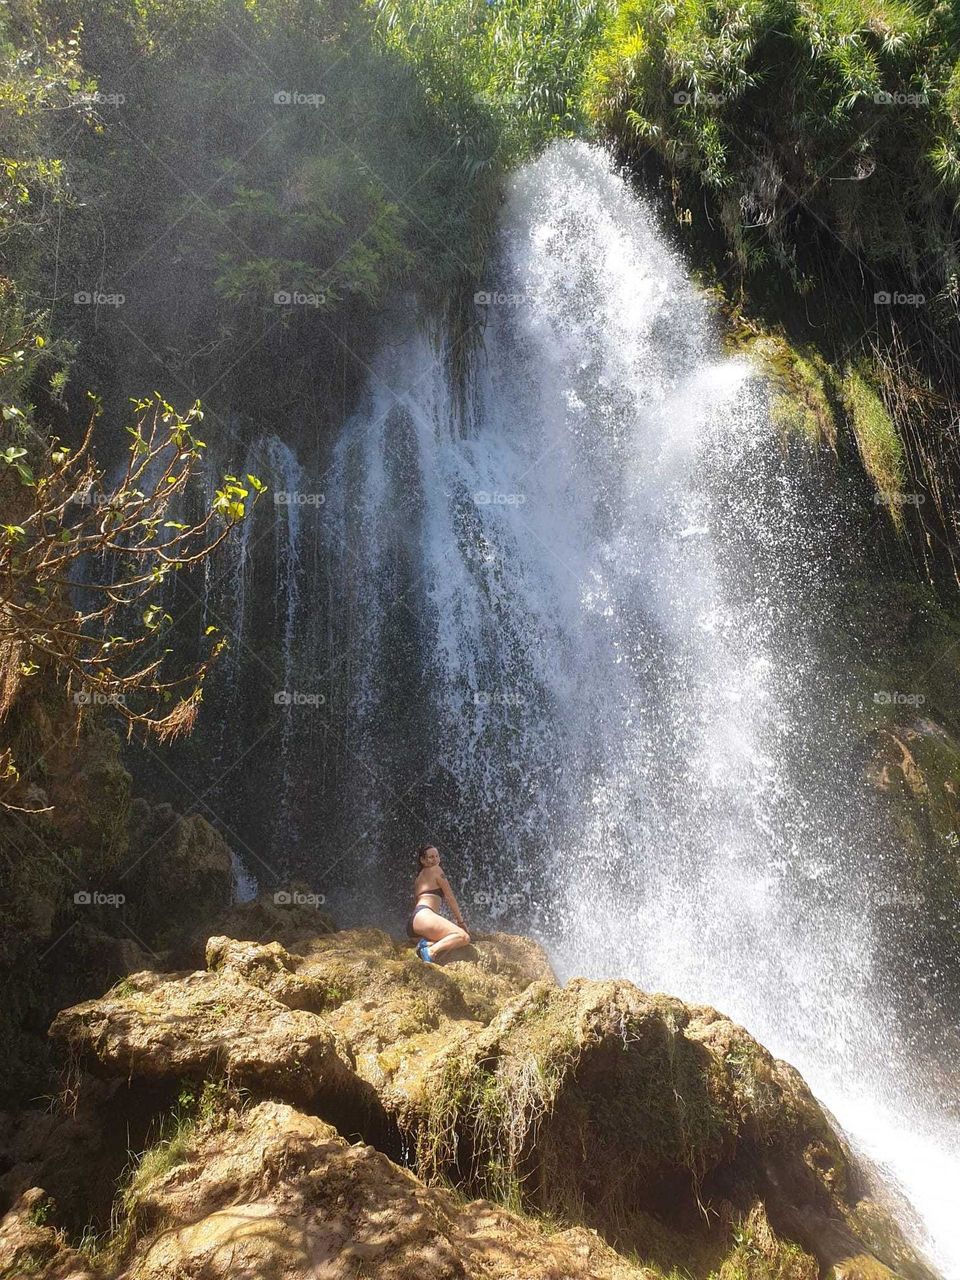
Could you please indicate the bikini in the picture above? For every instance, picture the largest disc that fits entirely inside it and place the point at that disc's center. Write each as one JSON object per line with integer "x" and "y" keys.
{"x": 422, "y": 906}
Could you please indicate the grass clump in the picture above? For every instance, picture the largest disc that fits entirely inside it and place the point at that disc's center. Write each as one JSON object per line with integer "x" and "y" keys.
{"x": 198, "y": 1108}
{"x": 881, "y": 448}
{"x": 758, "y": 1254}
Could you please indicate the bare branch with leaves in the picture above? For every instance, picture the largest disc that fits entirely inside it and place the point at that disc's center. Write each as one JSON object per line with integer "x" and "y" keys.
{"x": 83, "y": 567}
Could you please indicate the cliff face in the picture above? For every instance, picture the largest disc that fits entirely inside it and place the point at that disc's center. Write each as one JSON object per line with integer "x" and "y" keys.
{"x": 319, "y": 1102}
{"x": 85, "y": 873}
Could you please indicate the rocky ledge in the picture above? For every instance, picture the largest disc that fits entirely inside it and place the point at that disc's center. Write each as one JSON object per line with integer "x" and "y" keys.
{"x": 321, "y": 1104}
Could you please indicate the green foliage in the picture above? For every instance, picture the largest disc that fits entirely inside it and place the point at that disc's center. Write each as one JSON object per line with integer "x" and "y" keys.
{"x": 847, "y": 108}
{"x": 120, "y": 539}
{"x": 251, "y": 178}
{"x": 524, "y": 59}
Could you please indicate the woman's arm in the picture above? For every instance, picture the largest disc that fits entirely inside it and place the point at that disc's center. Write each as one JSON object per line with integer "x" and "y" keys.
{"x": 451, "y": 901}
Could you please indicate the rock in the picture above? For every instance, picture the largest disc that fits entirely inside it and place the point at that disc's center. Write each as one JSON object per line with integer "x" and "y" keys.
{"x": 392, "y": 1011}
{"x": 660, "y": 1128}
{"x": 89, "y": 788}
{"x": 167, "y": 1027}
{"x": 76, "y": 1147}
{"x": 915, "y": 767}
{"x": 29, "y": 1247}
{"x": 183, "y": 857}
{"x": 674, "y": 1107}
{"x": 265, "y": 919}
{"x": 272, "y": 1192}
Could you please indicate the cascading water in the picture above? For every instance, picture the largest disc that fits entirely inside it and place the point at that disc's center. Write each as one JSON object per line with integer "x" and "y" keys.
{"x": 584, "y": 610}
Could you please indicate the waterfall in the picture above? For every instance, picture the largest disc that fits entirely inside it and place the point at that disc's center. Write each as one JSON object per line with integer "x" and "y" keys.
{"x": 584, "y": 604}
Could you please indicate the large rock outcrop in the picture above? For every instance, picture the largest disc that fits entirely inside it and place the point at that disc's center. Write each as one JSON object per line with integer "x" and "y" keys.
{"x": 651, "y": 1135}
{"x": 272, "y": 1192}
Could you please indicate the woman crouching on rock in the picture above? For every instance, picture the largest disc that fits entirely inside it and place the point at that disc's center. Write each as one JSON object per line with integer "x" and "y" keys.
{"x": 436, "y": 933}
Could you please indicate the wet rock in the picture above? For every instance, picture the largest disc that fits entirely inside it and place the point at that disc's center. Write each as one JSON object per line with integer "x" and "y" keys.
{"x": 394, "y": 1012}
{"x": 672, "y": 1109}
{"x": 174, "y": 858}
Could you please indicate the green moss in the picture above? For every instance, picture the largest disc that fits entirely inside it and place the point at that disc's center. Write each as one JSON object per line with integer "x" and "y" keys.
{"x": 804, "y": 399}
{"x": 881, "y": 448}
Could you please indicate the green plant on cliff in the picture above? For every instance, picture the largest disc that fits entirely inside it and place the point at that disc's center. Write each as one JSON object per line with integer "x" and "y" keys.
{"x": 809, "y": 151}
{"x": 841, "y": 110}
{"x": 523, "y": 59}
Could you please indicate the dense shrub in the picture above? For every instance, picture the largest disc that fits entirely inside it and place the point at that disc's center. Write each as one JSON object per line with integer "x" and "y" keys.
{"x": 842, "y": 113}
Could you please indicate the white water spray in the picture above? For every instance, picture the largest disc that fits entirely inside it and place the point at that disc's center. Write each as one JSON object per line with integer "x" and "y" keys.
{"x": 614, "y": 576}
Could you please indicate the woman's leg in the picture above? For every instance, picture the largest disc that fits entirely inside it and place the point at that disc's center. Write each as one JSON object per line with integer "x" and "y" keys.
{"x": 440, "y": 932}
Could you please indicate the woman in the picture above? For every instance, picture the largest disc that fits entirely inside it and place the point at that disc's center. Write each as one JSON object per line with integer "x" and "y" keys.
{"x": 437, "y": 935}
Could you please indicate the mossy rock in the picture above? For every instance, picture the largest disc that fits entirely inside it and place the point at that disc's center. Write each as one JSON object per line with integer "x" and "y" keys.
{"x": 174, "y": 857}
{"x": 662, "y": 1126}
{"x": 637, "y": 1115}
